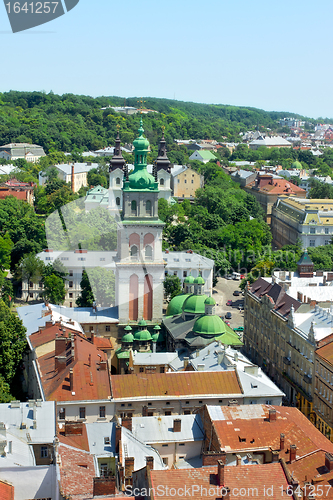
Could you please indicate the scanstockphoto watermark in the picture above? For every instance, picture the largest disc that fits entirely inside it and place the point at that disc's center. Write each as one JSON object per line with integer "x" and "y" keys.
{"x": 25, "y": 15}
{"x": 199, "y": 491}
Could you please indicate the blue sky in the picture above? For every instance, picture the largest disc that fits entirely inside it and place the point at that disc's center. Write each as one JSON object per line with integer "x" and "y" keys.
{"x": 273, "y": 54}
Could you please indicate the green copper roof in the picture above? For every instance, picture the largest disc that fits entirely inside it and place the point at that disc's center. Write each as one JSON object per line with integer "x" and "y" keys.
{"x": 189, "y": 279}
{"x": 157, "y": 327}
{"x": 142, "y": 322}
{"x": 305, "y": 259}
{"x": 128, "y": 337}
{"x": 297, "y": 165}
{"x": 210, "y": 301}
{"x": 140, "y": 179}
{"x": 229, "y": 339}
{"x": 122, "y": 354}
{"x": 199, "y": 280}
{"x": 175, "y": 305}
{"x": 195, "y": 304}
{"x": 128, "y": 328}
{"x": 158, "y": 336}
{"x": 210, "y": 325}
{"x": 142, "y": 336}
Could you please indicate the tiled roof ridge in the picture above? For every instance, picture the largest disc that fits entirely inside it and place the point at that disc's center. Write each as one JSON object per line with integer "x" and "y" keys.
{"x": 80, "y": 450}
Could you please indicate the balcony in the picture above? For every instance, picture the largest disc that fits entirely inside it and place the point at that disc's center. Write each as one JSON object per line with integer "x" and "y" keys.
{"x": 287, "y": 361}
{"x": 307, "y": 379}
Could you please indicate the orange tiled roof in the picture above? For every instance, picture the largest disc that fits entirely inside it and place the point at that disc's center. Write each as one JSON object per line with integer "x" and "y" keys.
{"x": 175, "y": 384}
{"x": 6, "y": 491}
{"x": 103, "y": 343}
{"x": 240, "y": 433}
{"x": 312, "y": 468}
{"x": 202, "y": 483}
{"x": 75, "y": 440}
{"x": 90, "y": 382}
{"x": 326, "y": 352}
{"x": 49, "y": 333}
{"x": 77, "y": 471}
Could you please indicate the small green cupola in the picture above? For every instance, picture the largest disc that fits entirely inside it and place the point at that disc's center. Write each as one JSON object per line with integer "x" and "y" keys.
{"x": 140, "y": 179}
{"x": 189, "y": 284}
{"x": 199, "y": 284}
{"x": 210, "y": 306}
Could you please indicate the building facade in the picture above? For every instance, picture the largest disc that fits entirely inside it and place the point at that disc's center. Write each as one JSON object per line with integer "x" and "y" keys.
{"x": 307, "y": 220}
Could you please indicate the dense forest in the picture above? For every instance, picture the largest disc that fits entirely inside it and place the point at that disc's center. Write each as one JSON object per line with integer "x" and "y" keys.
{"x": 76, "y": 123}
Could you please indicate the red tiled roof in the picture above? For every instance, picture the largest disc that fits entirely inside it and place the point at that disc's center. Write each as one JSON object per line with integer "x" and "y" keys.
{"x": 6, "y": 491}
{"x": 103, "y": 343}
{"x": 202, "y": 483}
{"x": 75, "y": 440}
{"x": 175, "y": 384}
{"x": 241, "y": 433}
{"x": 326, "y": 352}
{"x": 90, "y": 382}
{"x": 77, "y": 471}
{"x": 49, "y": 333}
{"x": 312, "y": 468}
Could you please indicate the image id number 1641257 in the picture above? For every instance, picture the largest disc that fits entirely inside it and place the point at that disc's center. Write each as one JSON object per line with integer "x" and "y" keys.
{"x": 32, "y": 7}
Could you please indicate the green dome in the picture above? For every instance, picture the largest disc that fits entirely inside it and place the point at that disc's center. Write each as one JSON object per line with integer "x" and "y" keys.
{"x": 128, "y": 328}
{"x": 189, "y": 280}
{"x": 142, "y": 335}
{"x": 199, "y": 280}
{"x": 175, "y": 305}
{"x": 210, "y": 301}
{"x": 158, "y": 336}
{"x": 142, "y": 322}
{"x": 209, "y": 325}
{"x": 141, "y": 179}
{"x": 128, "y": 337}
{"x": 297, "y": 165}
{"x": 195, "y": 304}
{"x": 157, "y": 327}
{"x": 141, "y": 143}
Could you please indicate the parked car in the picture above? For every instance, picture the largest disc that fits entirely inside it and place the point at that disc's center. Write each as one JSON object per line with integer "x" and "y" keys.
{"x": 229, "y": 277}
{"x": 229, "y": 303}
{"x": 242, "y": 276}
{"x": 228, "y": 315}
{"x": 236, "y": 293}
{"x": 241, "y": 307}
{"x": 239, "y": 329}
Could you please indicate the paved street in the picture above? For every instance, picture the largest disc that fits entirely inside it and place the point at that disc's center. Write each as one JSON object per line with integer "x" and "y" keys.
{"x": 223, "y": 292}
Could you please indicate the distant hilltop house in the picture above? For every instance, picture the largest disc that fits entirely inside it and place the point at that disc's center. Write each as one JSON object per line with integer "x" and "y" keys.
{"x": 203, "y": 155}
{"x": 130, "y": 110}
{"x": 75, "y": 174}
{"x": 270, "y": 142}
{"x": 29, "y": 152}
{"x": 109, "y": 151}
{"x": 20, "y": 190}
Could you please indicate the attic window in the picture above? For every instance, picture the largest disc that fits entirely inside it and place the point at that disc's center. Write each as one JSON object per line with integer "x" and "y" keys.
{"x": 241, "y": 439}
{"x": 107, "y": 440}
{"x": 254, "y": 386}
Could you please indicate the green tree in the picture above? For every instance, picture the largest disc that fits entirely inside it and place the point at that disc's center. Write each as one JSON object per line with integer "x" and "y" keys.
{"x": 102, "y": 283}
{"x": 54, "y": 289}
{"x": 30, "y": 269}
{"x": 172, "y": 286}
{"x": 86, "y": 297}
{"x": 12, "y": 342}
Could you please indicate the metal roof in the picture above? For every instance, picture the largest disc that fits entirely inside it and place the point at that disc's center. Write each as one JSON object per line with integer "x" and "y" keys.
{"x": 159, "y": 429}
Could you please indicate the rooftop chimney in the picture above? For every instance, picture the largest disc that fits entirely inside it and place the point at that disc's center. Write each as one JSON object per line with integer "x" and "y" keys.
{"x": 281, "y": 442}
{"x": 118, "y": 437}
{"x": 129, "y": 466}
{"x": 292, "y": 455}
{"x": 177, "y": 425}
{"x": 329, "y": 461}
{"x": 220, "y": 473}
{"x": 127, "y": 423}
{"x": 275, "y": 456}
{"x": 150, "y": 462}
{"x": 186, "y": 360}
{"x": 60, "y": 345}
{"x": 239, "y": 460}
{"x": 60, "y": 363}
{"x": 272, "y": 415}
